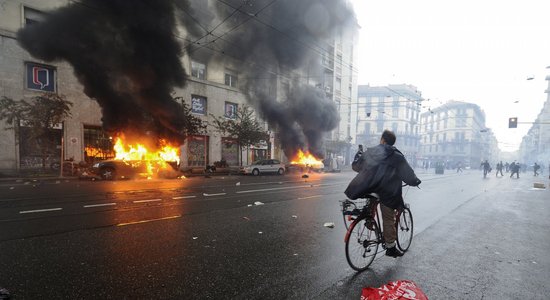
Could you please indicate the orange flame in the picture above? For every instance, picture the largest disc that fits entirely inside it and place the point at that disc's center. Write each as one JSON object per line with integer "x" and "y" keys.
{"x": 139, "y": 152}
{"x": 306, "y": 159}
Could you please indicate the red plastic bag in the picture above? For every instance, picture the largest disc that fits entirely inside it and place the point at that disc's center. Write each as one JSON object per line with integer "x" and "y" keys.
{"x": 396, "y": 290}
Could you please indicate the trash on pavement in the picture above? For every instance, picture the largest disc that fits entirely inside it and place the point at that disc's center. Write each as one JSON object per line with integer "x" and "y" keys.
{"x": 260, "y": 232}
{"x": 238, "y": 183}
{"x": 195, "y": 237}
{"x": 400, "y": 289}
{"x": 539, "y": 185}
{"x": 329, "y": 225}
{"x": 246, "y": 218}
{"x": 258, "y": 203}
{"x": 295, "y": 216}
{"x": 4, "y": 294}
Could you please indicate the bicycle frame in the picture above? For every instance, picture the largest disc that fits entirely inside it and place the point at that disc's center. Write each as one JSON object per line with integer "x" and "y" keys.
{"x": 369, "y": 212}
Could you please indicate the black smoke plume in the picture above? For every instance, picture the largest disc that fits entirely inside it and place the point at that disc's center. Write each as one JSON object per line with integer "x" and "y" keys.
{"x": 285, "y": 39}
{"x": 126, "y": 56}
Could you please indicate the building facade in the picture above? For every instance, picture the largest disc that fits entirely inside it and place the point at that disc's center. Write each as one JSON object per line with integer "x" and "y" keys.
{"x": 535, "y": 146}
{"x": 214, "y": 88}
{"x": 394, "y": 107}
{"x": 454, "y": 133}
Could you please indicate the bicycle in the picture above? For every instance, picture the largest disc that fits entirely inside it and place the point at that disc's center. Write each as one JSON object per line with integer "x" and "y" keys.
{"x": 364, "y": 234}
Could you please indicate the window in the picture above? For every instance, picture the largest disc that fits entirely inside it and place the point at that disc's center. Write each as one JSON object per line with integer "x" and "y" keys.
{"x": 230, "y": 79}
{"x": 395, "y": 112}
{"x": 394, "y": 127}
{"x": 367, "y": 128}
{"x": 198, "y": 105}
{"x": 97, "y": 144}
{"x": 33, "y": 16}
{"x": 198, "y": 70}
{"x": 230, "y": 110}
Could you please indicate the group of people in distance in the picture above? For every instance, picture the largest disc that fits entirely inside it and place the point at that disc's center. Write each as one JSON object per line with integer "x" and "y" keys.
{"x": 513, "y": 168}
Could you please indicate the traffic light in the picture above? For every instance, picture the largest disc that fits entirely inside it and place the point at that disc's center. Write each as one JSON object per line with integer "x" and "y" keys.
{"x": 513, "y": 123}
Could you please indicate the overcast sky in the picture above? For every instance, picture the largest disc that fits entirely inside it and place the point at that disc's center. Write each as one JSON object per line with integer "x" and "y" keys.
{"x": 479, "y": 51}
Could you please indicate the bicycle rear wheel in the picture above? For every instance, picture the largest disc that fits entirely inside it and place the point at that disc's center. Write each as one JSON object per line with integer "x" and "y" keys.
{"x": 361, "y": 243}
{"x": 404, "y": 229}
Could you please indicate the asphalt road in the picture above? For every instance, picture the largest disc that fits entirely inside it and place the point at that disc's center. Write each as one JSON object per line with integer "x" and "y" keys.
{"x": 208, "y": 238}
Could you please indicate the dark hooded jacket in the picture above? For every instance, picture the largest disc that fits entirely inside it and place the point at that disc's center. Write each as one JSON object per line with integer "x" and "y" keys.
{"x": 382, "y": 171}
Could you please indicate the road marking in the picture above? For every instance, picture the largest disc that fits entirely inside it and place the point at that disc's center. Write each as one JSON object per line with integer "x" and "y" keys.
{"x": 98, "y": 205}
{"x": 210, "y": 195}
{"x": 316, "y": 196}
{"x": 183, "y": 197}
{"x": 148, "y": 200}
{"x": 39, "y": 210}
{"x": 147, "y": 221}
{"x": 273, "y": 189}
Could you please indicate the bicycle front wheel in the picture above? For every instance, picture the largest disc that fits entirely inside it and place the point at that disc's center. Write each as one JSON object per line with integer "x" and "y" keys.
{"x": 404, "y": 229}
{"x": 362, "y": 243}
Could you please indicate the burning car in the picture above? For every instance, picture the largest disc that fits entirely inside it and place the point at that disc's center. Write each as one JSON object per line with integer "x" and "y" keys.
{"x": 136, "y": 160}
{"x": 305, "y": 162}
{"x": 264, "y": 166}
{"x": 123, "y": 169}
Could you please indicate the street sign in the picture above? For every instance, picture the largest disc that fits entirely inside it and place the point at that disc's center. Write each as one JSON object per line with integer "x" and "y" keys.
{"x": 513, "y": 123}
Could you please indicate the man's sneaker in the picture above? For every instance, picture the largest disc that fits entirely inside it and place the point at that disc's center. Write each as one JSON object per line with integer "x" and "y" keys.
{"x": 393, "y": 252}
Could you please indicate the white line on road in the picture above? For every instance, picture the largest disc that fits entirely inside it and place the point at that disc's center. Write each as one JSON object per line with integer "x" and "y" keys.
{"x": 39, "y": 210}
{"x": 276, "y": 189}
{"x": 148, "y": 200}
{"x": 183, "y": 197}
{"x": 210, "y": 195}
{"x": 98, "y": 205}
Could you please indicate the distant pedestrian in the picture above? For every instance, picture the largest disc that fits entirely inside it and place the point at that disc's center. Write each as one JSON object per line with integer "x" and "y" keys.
{"x": 459, "y": 167}
{"x": 507, "y": 165}
{"x": 536, "y": 168}
{"x": 514, "y": 169}
{"x": 499, "y": 169}
{"x": 486, "y": 168}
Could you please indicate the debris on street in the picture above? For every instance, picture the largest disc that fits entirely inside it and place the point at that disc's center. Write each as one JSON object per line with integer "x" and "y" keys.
{"x": 258, "y": 203}
{"x": 329, "y": 225}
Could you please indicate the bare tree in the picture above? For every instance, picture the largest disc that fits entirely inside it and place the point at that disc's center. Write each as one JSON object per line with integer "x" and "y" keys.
{"x": 39, "y": 115}
{"x": 242, "y": 126}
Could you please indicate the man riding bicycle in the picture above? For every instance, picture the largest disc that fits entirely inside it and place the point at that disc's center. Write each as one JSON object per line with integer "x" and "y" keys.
{"x": 382, "y": 169}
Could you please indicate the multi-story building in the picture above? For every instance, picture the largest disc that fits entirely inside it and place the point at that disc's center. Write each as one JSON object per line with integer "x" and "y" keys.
{"x": 455, "y": 132}
{"x": 214, "y": 88}
{"x": 339, "y": 81}
{"x": 535, "y": 146}
{"x": 394, "y": 107}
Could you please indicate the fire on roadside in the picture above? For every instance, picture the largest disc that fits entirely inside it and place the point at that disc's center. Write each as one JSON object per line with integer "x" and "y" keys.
{"x": 306, "y": 159}
{"x": 154, "y": 159}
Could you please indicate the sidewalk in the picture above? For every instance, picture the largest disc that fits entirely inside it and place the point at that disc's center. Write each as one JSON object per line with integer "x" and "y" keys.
{"x": 494, "y": 246}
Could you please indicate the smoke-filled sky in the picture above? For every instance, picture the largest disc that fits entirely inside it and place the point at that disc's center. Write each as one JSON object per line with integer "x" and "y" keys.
{"x": 127, "y": 54}
{"x": 481, "y": 52}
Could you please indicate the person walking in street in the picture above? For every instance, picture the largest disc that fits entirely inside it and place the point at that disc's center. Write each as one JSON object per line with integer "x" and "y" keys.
{"x": 514, "y": 169}
{"x": 382, "y": 170}
{"x": 536, "y": 168}
{"x": 486, "y": 168}
{"x": 499, "y": 169}
{"x": 459, "y": 167}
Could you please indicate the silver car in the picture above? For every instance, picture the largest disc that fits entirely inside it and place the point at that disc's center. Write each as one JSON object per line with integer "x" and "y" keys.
{"x": 264, "y": 166}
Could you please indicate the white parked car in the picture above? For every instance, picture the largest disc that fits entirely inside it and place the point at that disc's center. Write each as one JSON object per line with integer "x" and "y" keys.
{"x": 264, "y": 166}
